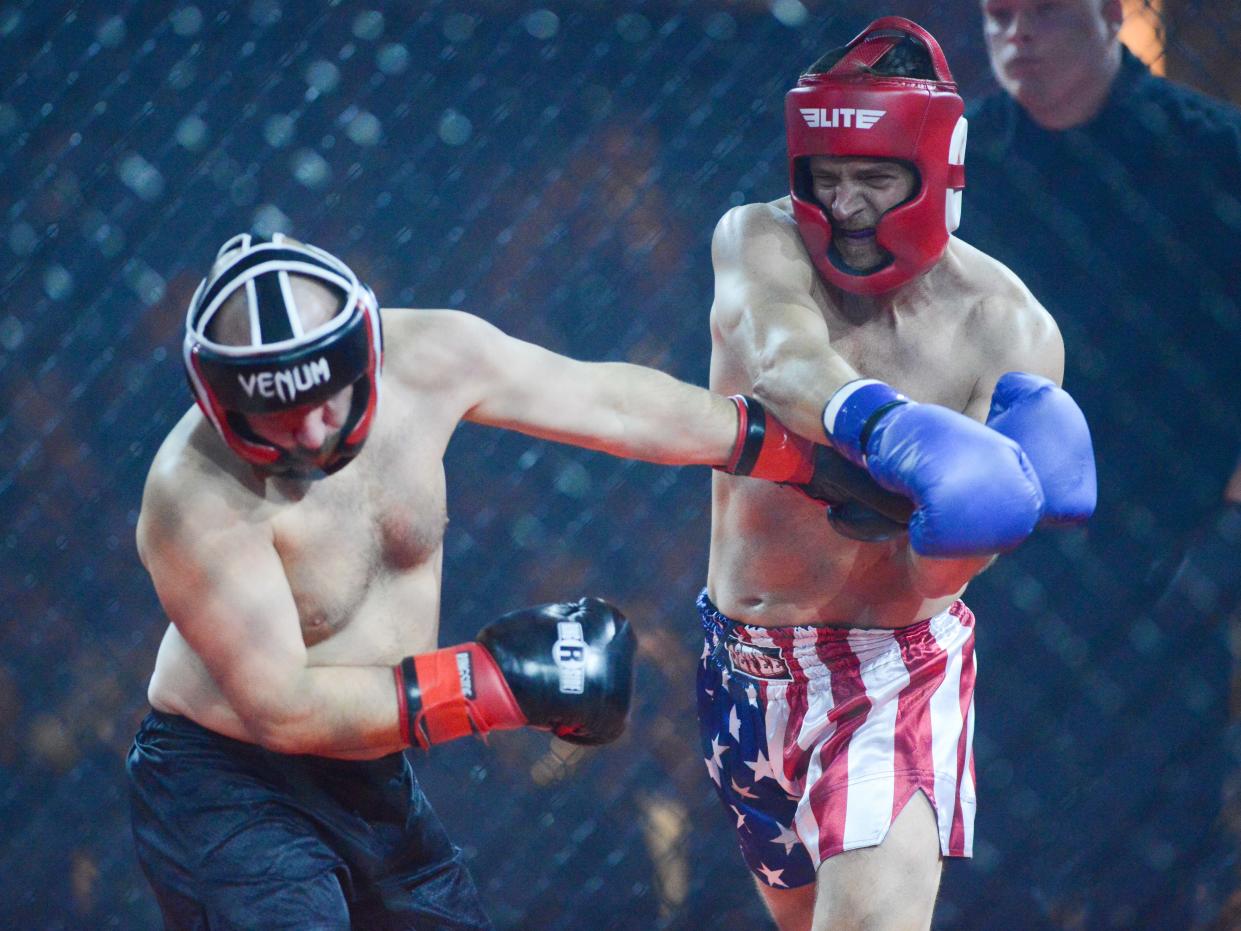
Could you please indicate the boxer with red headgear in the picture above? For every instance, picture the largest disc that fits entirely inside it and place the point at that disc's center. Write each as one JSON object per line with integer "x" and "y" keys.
{"x": 919, "y": 380}
{"x": 847, "y": 110}
{"x": 293, "y": 528}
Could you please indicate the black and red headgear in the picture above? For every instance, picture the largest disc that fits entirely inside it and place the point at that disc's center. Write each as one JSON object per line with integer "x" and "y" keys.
{"x": 283, "y": 366}
{"x": 848, "y": 110}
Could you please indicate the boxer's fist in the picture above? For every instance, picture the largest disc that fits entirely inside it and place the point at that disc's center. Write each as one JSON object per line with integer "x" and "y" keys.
{"x": 1049, "y": 426}
{"x": 567, "y": 668}
{"x": 974, "y": 491}
{"x": 857, "y": 507}
{"x": 570, "y": 667}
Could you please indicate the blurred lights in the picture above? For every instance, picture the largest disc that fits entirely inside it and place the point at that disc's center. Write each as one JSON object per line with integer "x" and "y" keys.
{"x": 191, "y": 133}
{"x": 789, "y": 12}
{"x": 322, "y": 76}
{"x": 368, "y": 25}
{"x": 311, "y": 169}
{"x": 187, "y": 21}
{"x": 392, "y": 59}
{"x": 111, "y": 32}
{"x": 542, "y": 24}
{"x": 455, "y": 129}
{"x": 141, "y": 177}
{"x": 279, "y": 130}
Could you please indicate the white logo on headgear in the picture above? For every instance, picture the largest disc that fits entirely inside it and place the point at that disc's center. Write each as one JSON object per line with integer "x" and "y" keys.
{"x": 285, "y": 384}
{"x": 569, "y": 655}
{"x": 841, "y": 118}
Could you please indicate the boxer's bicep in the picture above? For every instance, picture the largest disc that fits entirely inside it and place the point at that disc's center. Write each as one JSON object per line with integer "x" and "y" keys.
{"x": 765, "y": 318}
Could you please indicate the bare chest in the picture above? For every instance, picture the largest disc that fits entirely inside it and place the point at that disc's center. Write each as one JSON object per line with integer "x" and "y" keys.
{"x": 361, "y": 531}
{"x": 929, "y": 360}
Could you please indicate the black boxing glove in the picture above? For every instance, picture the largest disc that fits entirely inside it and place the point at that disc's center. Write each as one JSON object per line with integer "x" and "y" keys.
{"x": 567, "y": 668}
{"x": 858, "y": 507}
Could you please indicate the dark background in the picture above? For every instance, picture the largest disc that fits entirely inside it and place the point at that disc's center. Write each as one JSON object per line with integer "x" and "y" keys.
{"x": 558, "y": 170}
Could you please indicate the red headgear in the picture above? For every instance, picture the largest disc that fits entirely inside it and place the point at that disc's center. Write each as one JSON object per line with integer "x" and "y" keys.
{"x": 848, "y": 111}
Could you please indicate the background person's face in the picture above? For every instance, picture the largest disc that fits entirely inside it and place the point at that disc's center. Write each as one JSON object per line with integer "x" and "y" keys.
{"x": 1043, "y": 52}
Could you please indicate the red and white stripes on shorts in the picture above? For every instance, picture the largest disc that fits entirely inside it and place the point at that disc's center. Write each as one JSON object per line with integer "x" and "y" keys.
{"x": 853, "y": 721}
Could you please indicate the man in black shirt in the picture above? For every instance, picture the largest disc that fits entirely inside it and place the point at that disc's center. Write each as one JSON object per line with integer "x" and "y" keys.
{"x": 1115, "y": 195}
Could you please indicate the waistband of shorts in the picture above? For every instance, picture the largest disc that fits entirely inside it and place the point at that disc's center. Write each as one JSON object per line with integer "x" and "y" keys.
{"x": 806, "y": 647}
{"x": 187, "y": 733}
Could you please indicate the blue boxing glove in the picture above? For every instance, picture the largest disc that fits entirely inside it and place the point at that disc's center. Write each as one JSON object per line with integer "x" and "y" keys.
{"x": 974, "y": 491}
{"x": 1047, "y": 423}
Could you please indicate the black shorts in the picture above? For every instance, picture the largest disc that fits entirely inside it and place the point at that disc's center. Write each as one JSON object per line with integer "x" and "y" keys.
{"x": 234, "y": 836}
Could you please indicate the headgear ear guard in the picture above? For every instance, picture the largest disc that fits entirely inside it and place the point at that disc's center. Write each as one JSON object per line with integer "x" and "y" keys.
{"x": 283, "y": 366}
{"x": 849, "y": 111}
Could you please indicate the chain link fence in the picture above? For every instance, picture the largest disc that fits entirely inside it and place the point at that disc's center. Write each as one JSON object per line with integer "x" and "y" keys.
{"x": 557, "y": 169}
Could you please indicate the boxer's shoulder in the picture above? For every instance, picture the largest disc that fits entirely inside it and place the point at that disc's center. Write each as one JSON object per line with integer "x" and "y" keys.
{"x": 194, "y": 485}
{"x": 746, "y": 223}
{"x": 759, "y": 258}
{"x": 192, "y": 458}
{"x": 999, "y": 310}
{"x": 434, "y": 347}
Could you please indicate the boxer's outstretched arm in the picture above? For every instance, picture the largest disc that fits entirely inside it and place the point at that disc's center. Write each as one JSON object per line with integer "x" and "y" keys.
{"x": 615, "y": 407}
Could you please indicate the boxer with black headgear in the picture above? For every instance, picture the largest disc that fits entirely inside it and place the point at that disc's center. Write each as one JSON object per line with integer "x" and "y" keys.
{"x": 919, "y": 381}
{"x": 293, "y": 528}
{"x": 277, "y": 364}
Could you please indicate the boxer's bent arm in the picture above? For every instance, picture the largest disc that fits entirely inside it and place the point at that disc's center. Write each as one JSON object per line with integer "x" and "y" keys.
{"x": 222, "y": 584}
{"x": 615, "y": 407}
{"x": 763, "y": 313}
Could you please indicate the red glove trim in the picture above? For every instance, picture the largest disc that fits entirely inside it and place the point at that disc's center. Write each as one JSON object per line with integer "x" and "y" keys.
{"x": 445, "y": 712}
{"x": 743, "y": 430}
{"x": 765, "y": 448}
{"x": 452, "y": 693}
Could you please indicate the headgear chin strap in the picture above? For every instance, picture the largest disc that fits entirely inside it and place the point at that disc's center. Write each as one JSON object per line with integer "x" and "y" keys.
{"x": 848, "y": 111}
{"x": 282, "y": 366}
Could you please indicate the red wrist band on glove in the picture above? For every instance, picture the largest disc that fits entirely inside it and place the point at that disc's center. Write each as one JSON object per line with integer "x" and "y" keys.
{"x": 765, "y": 448}
{"x": 453, "y": 693}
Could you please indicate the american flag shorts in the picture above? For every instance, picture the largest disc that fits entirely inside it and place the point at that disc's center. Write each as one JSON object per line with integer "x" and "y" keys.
{"x": 816, "y": 737}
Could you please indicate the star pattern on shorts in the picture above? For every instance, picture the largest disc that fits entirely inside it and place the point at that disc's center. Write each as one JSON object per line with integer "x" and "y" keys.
{"x": 786, "y": 837}
{"x": 755, "y": 795}
{"x": 762, "y": 767}
{"x": 772, "y": 876}
{"x": 717, "y": 751}
{"x": 713, "y": 770}
{"x": 742, "y": 790}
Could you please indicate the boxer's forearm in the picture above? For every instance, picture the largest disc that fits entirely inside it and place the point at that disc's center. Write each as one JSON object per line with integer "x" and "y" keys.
{"x": 795, "y": 382}
{"x": 660, "y": 419}
{"x": 636, "y": 413}
{"x": 348, "y": 712}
